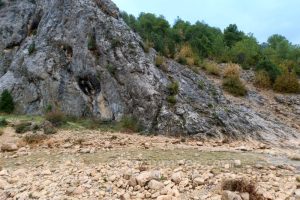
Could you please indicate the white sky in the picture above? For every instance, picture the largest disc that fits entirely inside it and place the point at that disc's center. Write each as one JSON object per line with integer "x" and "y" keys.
{"x": 260, "y": 17}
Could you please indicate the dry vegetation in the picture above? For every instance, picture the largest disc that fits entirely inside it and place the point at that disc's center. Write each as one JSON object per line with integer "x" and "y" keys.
{"x": 287, "y": 83}
{"x": 231, "y": 70}
{"x": 212, "y": 68}
{"x": 262, "y": 80}
{"x": 242, "y": 186}
{"x": 232, "y": 82}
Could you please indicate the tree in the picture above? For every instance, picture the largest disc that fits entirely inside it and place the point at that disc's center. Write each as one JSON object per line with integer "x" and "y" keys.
{"x": 246, "y": 52}
{"x": 269, "y": 67}
{"x": 232, "y": 35}
{"x": 287, "y": 83}
{"x": 205, "y": 39}
{"x": 155, "y": 30}
{"x": 6, "y": 102}
{"x": 130, "y": 20}
{"x": 278, "y": 48}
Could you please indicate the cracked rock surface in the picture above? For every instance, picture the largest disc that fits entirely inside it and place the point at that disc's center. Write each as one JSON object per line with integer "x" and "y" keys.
{"x": 80, "y": 57}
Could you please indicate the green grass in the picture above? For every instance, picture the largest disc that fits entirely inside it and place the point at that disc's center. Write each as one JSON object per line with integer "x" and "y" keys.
{"x": 75, "y": 123}
{"x": 16, "y": 118}
{"x": 3, "y": 122}
{"x": 23, "y": 127}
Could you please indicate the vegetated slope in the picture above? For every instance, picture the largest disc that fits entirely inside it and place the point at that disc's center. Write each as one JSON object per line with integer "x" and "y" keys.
{"x": 80, "y": 57}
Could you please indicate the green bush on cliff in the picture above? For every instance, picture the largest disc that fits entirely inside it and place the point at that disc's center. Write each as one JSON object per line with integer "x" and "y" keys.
{"x": 6, "y": 102}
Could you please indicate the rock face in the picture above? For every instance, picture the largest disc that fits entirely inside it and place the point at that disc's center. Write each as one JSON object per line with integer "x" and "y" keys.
{"x": 80, "y": 57}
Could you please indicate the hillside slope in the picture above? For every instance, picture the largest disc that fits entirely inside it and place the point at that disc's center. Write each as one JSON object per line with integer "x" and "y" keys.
{"x": 80, "y": 57}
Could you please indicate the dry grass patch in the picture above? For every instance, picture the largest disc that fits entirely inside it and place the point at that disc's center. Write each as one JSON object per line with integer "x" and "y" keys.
{"x": 160, "y": 63}
{"x": 212, "y": 68}
{"x": 242, "y": 186}
{"x": 231, "y": 70}
{"x": 186, "y": 56}
{"x": 287, "y": 83}
{"x": 262, "y": 79}
{"x": 57, "y": 118}
{"x": 34, "y": 138}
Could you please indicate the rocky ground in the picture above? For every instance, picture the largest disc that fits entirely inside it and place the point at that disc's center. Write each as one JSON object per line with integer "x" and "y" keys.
{"x": 265, "y": 102}
{"x": 83, "y": 164}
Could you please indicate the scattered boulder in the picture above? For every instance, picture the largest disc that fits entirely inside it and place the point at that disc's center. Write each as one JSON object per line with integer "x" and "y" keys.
{"x": 177, "y": 177}
{"x": 108, "y": 145}
{"x": 125, "y": 197}
{"x": 155, "y": 185}
{"x": 198, "y": 181}
{"x": 132, "y": 182}
{"x": 9, "y": 147}
{"x": 228, "y": 195}
{"x": 147, "y": 176}
{"x": 297, "y": 194}
{"x": 237, "y": 163}
{"x": 295, "y": 157}
{"x": 166, "y": 197}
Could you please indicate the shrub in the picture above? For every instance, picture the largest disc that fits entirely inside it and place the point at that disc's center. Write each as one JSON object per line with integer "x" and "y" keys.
{"x": 31, "y": 48}
{"x": 234, "y": 86}
{"x": 172, "y": 99}
{"x": 262, "y": 79}
{"x": 201, "y": 84}
{"x": 92, "y": 46}
{"x": 57, "y": 118}
{"x": 146, "y": 46}
{"x": 23, "y": 127}
{"x": 213, "y": 91}
{"x": 116, "y": 43}
{"x": 111, "y": 69}
{"x": 173, "y": 88}
{"x": 34, "y": 138}
{"x": 212, "y": 68}
{"x": 182, "y": 60}
{"x": 130, "y": 124}
{"x": 272, "y": 70}
{"x": 6, "y": 102}
{"x": 187, "y": 56}
{"x": 159, "y": 61}
{"x": 231, "y": 70}
{"x": 242, "y": 186}
{"x": 48, "y": 108}
{"x": 3, "y": 122}
{"x": 287, "y": 83}
{"x": 48, "y": 128}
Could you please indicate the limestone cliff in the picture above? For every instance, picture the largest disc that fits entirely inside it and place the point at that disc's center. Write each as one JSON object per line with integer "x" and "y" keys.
{"x": 80, "y": 57}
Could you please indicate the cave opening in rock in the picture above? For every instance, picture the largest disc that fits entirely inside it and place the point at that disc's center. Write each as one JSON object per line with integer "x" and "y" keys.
{"x": 33, "y": 26}
{"x": 89, "y": 85}
{"x": 68, "y": 50}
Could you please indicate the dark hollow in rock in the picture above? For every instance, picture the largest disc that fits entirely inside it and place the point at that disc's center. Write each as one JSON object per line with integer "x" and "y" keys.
{"x": 89, "y": 85}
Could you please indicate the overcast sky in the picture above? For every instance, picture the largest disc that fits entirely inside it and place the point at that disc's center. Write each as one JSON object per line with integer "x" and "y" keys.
{"x": 260, "y": 17}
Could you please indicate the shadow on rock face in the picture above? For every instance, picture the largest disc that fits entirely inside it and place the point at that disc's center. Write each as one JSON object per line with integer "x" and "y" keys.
{"x": 89, "y": 84}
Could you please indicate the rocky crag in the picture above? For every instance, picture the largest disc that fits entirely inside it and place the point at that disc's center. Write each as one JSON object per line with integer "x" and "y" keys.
{"x": 80, "y": 57}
